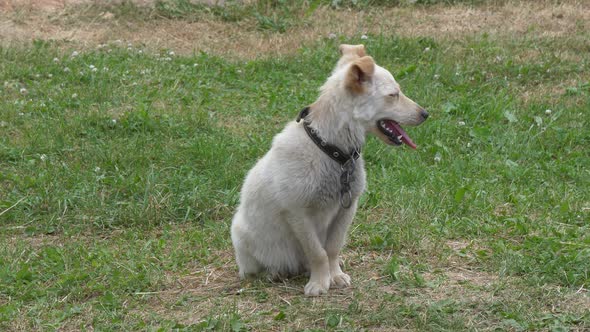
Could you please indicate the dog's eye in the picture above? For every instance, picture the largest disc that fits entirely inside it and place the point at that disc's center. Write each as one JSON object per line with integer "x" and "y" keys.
{"x": 394, "y": 95}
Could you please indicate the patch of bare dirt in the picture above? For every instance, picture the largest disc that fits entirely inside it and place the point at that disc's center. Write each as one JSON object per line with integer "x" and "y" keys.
{"x": 35, "y": 242}
{"x": 25, "y": 20}
{"x": 209, "y": 290}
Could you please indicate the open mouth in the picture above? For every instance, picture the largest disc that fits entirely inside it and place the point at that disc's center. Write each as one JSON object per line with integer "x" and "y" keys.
{"x": 395, "y": 133}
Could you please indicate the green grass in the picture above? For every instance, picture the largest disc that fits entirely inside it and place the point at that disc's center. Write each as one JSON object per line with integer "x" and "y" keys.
{"x": 119, "y": 176}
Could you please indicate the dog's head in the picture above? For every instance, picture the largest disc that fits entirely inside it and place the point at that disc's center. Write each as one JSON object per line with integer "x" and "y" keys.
{"x": 378, "y": 101}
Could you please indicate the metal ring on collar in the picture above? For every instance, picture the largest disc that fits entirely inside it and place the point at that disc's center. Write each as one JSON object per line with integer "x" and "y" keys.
{"x": 346, "y": 199}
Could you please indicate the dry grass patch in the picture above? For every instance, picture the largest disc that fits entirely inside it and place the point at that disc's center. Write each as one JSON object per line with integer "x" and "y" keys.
{"x": 214, "y": 289}
{"x": 48, "y": 21}
{"x": 34, "y": 242}
{"x": 542, "y": 92}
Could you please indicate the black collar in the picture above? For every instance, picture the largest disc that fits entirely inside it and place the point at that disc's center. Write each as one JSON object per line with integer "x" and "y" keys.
{"x": 331, "y": 150}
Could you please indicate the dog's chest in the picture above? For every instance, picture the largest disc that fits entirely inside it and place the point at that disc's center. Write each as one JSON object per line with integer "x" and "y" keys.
{"x": 330, "y": 185}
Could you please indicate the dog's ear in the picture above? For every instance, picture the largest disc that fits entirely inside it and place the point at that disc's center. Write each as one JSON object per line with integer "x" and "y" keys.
{"x": 360, "y": 71}
{"x": 347, "y": 50}
{"x": 350, "y": 53}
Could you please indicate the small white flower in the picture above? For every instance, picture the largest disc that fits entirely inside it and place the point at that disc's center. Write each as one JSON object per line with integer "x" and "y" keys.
{"x": 94, "y": 69}
{"x": 74, "y": 96}
{"x": 21, "y": 113}
{"x": 66, "y": 70}
{"x": 75, "y": 54}
{"x": 114, "y": 121}
{"x": 91, "y": 67}
{"x": 129, "y": 49}
{"x": 457, "y": 73}
{"x": 437, "y": 157}
{"x": 195, "y": 65}
{"x": 129, "y": 45}
{"x": 37, "y": 75}
{"x": 140, "y": 51}
{"x": 109, "y": 50}
{"x": 499, "y": 58}
{"x": 364, "y": 37}
{"x": 548, "y": 112}
{"x": 3, "y": 124}
{"x": 171, "y": 53}
{"x": 239, "y": 71}
{"x": 461, "y": 123}
{"x": 332, "y": 35}
{"x": 468, "y": 144}
{"x": 436, "y": 76}
{"x": 105, "y": 69}
{"x": 43, "y": 157}
{"x": 23, "y": 91}
{"x": 427, "y": 49}
{"x": 168, "y": 59}
{"x": 118, "y": 41}
{"x": 97, "y": 169}
{"x": 55, "y": 60}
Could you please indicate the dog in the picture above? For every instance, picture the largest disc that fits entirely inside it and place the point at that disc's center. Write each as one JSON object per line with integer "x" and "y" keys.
{"x": 298, "y": 201}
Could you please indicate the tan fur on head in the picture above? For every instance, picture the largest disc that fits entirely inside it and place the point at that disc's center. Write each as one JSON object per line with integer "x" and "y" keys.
{"x": 350, "y": 53}
{"x": 360, "y": 72}
{"x": 358, "y": 50}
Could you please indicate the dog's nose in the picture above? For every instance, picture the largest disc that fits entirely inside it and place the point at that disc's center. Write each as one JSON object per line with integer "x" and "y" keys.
{"x": 424, "y": 114}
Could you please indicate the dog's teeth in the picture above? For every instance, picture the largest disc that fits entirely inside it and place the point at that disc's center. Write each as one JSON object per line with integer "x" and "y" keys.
{"x": 399, "y": 137}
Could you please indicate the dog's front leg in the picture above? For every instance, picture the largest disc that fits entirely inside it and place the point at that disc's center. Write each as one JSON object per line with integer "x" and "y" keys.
{"x": 334, "y": 243}
{"x": 305, "y": 231}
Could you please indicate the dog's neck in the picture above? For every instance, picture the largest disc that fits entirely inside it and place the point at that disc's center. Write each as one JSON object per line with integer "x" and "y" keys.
{"x": 336, "y": 125}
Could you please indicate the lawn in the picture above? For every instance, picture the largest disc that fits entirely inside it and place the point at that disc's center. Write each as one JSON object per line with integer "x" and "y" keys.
{"x": 121, "y": 165}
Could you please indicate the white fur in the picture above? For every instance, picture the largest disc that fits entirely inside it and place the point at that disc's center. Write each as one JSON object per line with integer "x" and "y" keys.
{"x": 290, "y": 220}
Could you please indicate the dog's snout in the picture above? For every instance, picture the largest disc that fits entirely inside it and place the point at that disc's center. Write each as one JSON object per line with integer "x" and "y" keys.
{"x": 424, "y": 114}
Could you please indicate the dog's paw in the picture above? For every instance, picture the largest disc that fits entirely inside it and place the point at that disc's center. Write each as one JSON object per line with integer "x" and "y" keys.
{"x": 314, "y": 288}
{"x": 341, "y": 280}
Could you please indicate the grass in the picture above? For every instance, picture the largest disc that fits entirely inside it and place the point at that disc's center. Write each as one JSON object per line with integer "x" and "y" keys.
{"x": 120, "y": 169}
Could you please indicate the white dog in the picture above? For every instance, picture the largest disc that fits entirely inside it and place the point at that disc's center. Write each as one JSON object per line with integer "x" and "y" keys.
{"x": 299, "y": 199}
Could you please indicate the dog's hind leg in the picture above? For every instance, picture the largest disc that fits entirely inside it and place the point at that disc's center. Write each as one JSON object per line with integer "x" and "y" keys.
{"x": 335, "y": 241}
{"x": 248, "y": 265}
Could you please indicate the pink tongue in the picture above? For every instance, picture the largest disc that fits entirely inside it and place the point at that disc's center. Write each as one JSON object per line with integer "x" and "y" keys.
{"x": 405, "y": 138}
